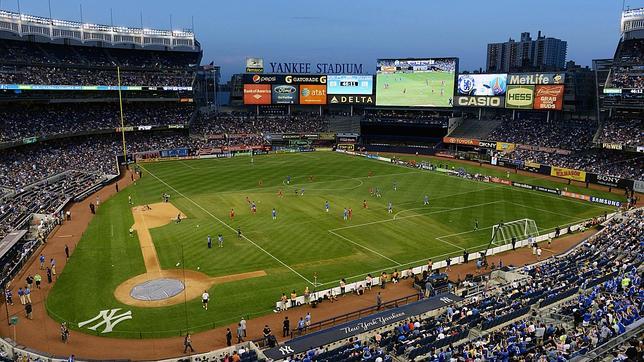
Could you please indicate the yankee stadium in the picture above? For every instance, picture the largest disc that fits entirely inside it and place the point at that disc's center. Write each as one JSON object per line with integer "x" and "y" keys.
{"x": 284, "y": 181}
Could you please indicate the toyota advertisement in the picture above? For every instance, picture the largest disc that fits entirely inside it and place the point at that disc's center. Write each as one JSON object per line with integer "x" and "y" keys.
{"x": 482, "y": 84}
{"x": 285, "y": 94}
{"x": 350, "y": 84}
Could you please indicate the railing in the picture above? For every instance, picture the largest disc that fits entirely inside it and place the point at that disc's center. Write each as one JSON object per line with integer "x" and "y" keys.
{"x": 357, "y": 314}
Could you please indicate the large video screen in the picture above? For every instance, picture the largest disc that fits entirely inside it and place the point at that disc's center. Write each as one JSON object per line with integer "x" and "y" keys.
{"x": 416, "y": 82}
{"x": 482, "y": 84}
{"x": 350, "y": 84}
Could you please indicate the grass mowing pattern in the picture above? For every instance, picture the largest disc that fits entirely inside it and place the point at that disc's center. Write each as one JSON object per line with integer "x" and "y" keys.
{"x": 304, "y": 236}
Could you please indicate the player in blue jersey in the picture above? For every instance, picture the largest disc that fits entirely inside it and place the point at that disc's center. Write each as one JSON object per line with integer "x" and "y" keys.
{"x": 390, "y": 208}
{"x": 426, "y": 200}
{"x": 220, "y": 240}
{"x": 327, "y": 206}
{"x": 345, "y": 214}
{"x": 274, "y": 213}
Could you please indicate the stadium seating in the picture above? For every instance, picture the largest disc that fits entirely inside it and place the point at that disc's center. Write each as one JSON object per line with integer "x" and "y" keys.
{"x": 568, "y": 135}
{"x": 626, "y": 71}
{"x": 23, "y": 62}
{"x": 628, "y": 132}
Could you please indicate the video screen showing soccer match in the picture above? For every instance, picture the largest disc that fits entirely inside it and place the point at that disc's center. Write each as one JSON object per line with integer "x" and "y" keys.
{"x": 415, "y": 82}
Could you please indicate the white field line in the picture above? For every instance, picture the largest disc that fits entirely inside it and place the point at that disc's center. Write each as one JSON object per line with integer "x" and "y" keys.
{"x": 542, "y": 210}
{"x": 187, "y": 165}
{"x": 230, "y": 227}
{"x": 411, "y": 216}
{"x": 532, "y": 192}
{"x": 364, "y": 247}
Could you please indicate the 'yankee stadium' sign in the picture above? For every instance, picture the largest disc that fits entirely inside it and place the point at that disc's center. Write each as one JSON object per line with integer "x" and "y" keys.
{"x": 308, "y": 68}
{"x": 362, "y": 325}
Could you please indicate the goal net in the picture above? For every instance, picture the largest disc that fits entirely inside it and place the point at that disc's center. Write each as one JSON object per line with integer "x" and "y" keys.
{"x": 520, "y": 229}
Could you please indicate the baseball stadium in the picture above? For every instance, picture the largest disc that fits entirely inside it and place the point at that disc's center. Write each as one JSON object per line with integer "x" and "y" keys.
{"x": 157, "y": 205}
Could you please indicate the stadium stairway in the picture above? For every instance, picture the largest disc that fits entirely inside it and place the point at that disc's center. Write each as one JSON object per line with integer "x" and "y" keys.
{"x": 344, "y": 124}
{"x": 474, "y": 128}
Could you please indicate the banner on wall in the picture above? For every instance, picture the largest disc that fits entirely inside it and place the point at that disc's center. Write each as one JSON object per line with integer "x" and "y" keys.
{"x": 505, "y": 146}
{"x": 568, "y": 173}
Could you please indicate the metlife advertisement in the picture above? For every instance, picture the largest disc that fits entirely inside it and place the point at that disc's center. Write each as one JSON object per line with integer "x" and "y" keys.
{"x": 350, "y": 84}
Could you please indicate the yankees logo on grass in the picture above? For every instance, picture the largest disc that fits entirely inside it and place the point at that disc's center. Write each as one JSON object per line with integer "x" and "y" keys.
{"x": 107, "y": 317}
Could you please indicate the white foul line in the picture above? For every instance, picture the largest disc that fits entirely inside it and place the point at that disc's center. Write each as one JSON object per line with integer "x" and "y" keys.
{"x": 230, "y": 227}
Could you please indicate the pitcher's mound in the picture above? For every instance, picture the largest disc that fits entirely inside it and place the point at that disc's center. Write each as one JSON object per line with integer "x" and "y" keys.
{"x": 157, "y": 289}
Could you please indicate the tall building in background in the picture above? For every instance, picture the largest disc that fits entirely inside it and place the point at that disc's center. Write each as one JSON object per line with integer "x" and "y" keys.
{"x": 527, "y": 54}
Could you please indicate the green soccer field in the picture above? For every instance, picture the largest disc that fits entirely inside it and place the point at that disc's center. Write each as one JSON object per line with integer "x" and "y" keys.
{"x": 421, "y": 89}
{"x": 303, "y": 241}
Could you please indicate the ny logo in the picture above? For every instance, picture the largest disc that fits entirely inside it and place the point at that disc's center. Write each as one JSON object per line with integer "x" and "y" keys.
{"x": 286, "y": 350}
{"x": 109, "y": 318}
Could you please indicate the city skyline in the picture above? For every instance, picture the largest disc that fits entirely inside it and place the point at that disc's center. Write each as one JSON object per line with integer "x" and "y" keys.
{"x": 354, "y": 33}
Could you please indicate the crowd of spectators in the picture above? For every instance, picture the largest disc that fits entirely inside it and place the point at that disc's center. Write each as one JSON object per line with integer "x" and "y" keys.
{"x": 24, "y": 62}
{"x": 599, "y": 161}
{"x": 568, "y": 135}
{"x": 391, "y": 116}
{"x": 627, "y": 71}
{"x": 627, "y": 132}
{"x": 245, "y": 123}
{"x": 20, "y": 121}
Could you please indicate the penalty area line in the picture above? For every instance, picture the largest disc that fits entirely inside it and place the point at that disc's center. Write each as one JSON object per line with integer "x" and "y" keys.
{"x": 230, "y": 227}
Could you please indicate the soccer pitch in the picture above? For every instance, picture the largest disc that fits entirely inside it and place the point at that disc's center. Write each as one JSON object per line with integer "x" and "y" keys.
{"x": 301, "y": 242}
{"x": 421, "y": 89}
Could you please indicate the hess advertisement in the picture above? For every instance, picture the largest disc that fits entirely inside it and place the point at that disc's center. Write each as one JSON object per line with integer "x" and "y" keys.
{"x": 257, "y": 94}
{"x": 284, "y": 94}
{"x": 312, "y": 94}
{"x": 349, "y": 84}
{"x": 482, "y": 84}
{"x": 519, "y": 97}
{"x": 549, "y": 97}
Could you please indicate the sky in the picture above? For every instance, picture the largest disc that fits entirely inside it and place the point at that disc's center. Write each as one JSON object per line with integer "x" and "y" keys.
{"x": 357, "y": 31}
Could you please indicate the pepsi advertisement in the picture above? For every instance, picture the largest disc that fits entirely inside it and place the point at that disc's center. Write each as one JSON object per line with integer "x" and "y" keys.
{"x": 489, "y": 85}
{"x": 350, "y": 84}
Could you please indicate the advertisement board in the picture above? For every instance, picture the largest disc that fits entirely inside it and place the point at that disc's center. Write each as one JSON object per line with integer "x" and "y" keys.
{"x": 536, "y": 78}
{"x": 482, "y": 84}
{"x": 568, "y": 173}
{"x": 479, "y": 101}
{"x": 461, "y": 141}
{"x": 284, "y": 79}
{"x": 352, "y": 99}
{"x": 505, "y": 146}
{"x": 549, "y": 97}
{"x": 255, "y": 94}
{"x": 254, "y": 65}
{"x": 312, "y": 94}
{"x": 284, "y": 94}
{"x": 416, "y": 82}
{"x": 350, "y": 84}
{"x": 519, "y": 97}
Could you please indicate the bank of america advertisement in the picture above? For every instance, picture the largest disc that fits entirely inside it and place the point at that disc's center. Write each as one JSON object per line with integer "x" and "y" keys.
{"x": 482, "y": 84}
{"x": 350, "y": 84}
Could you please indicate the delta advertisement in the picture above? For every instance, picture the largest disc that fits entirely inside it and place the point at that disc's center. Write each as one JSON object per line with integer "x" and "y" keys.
{"x": 568, "y": 173}
{"x": 257, "y": 94}
{"x": 549, "y": 97}
{"x": 351, "y": 99}
{"x": 350, "y": 84}
{"x": 482, "y": 84}
{"x": 284, "y": 94}
{"x": 519, "y": 97}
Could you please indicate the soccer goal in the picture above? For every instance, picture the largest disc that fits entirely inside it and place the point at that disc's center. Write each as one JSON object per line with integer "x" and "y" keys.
{"x": 520, "y": 229}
